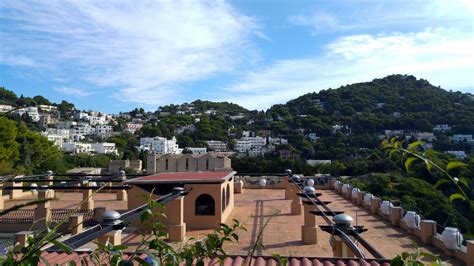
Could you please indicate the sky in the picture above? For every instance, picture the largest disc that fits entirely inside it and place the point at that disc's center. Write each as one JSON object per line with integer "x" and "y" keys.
{"x": 114, "y": 56}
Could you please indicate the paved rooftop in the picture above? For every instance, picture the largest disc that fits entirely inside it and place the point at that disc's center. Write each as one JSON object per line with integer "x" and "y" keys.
{"x": 282, "y": 235}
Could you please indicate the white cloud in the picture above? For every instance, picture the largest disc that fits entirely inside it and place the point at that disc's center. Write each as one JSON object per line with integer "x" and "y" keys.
{"x": 442, "y": 56}
{"x": 364, "y": 15}
{"x": 144, "y": 49}
{"x": 21, "y": 61}
{"x": 76, "y": 92}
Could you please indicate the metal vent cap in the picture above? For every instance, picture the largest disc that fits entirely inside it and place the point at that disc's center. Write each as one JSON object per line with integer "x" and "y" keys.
{"x": 111, "y": 218}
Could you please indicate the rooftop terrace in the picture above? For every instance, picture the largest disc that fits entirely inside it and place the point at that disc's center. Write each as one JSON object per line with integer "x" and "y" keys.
{"x": 282, "y": 235}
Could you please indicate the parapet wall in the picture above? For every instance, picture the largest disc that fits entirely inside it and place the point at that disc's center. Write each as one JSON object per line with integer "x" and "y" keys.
{"x": 426, "y": 230}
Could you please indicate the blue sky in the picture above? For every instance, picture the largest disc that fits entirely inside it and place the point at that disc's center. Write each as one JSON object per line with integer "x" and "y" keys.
{"x": 117, "y": 55}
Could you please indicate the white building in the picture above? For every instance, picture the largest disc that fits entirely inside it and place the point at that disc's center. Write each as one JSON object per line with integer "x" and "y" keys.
{"x": 47, "y": 108}
{"x": 217, "y": 145}
{"x": 32, "y": 112}
{"x": 104, "y": 148}
{"x": 245, "y": 144}
{"x": 317, "y": 162}
{"x": 393, "y": 133}
{"x": 77, "y": 147}
{"x": 132, "y": 127}
{"x": 5, "y": 108}
{"x": 102, "y": 130}
{"x": 160, "y": 145}
{"x": 97, "y": 120}
{"x": 442, "y": 128}
{"x": 66, "y": 124}
{"x": 81, "y": 116}
{"x": 197, "y": 150}
{"x": 427, "y": 146}
{"x": 460, "y": 138}
{"x": 312, "y": 137}
{"x": 426, "y": 136}
{"x": 277, "y": 141}
{"x": 57, "y": 136}
{"x": 461, "y": 155}
{"x": 82, "y": 129}
{"x": 58, "y": 140}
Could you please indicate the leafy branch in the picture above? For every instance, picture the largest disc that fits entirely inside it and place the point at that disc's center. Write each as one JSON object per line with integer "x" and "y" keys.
{"x": 410, "y": 155}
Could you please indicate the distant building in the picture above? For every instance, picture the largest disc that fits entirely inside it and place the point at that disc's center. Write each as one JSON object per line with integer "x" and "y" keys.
{"x": 317, "y": 162}
{"x": 47, "y": 108}
{"x": 97, "y": 120}
{"x": 104, "y": 148}
{"x": 58, "y": 140}
{"x": 5, "y": 108}
{"x": 180, "y": 130}
{"x": 115, "y": 166}
{"x": 277, "y": 141}
{"x": 77, "y": 147}
{"x": 425, "y": 136}
{"x": 132, "y": 127}
{"x": 287, "y": 154}
{"x": 245, "y": 144}
{"x": 461, "y": 155}
{"x": 217, "y": 145}
{"x": 427, "y": 146}
{"x": 442, "y": 128}
{"x": 186, "y": 163}
{"x": 394, "y": 133}
{"x": 312, "y": 137}
{"x": 85, "y": 170}
{"x": 197, "y": 150}
{"x": 160, "y": 145}
{"x": 102, "y": 130}
{"x": 396, "y": 114}
{"x": 31, "y": 111}
{"x": 460, "y": 138}
{"x": 47, "y": 119}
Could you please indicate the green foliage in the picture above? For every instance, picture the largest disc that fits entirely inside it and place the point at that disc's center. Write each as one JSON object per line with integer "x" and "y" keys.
{"x": 412, "y": 258}
{"x": 37, "y": 153}
{"x": 126, "y": 144}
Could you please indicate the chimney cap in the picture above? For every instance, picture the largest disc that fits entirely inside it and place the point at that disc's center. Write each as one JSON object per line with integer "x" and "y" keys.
{"x": 111, "y": 217}
{"x": 342, "y": 219}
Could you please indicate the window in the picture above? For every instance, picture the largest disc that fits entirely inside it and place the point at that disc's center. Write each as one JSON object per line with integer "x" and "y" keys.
{"x": 205, "y": 205}
{"x": 187, "y": 163}
{"x": 227, "y": 196}
{"x": 166, "y": 164}
{"x": 223, "y": 200}
{"x": 207, "y": 164}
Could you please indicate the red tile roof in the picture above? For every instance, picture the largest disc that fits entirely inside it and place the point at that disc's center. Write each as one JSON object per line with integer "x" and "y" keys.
{"x": 60, "y": 258}
{"x": 202, "y": 177}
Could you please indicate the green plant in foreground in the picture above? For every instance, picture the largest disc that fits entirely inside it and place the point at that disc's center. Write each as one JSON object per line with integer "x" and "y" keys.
{"x": 410, "y": 155}
{"x": 412, "y": 259}
{"x": 159, "y": 251}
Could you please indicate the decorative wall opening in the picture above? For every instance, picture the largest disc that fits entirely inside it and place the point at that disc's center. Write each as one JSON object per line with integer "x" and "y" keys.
{"x": 227, "y": 196}
{"x": 223, "y": 202}
{"x": 205, "y": 205}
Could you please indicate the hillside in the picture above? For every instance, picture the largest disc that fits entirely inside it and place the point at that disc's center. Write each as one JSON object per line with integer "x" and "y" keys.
{"x": 370, "y": 107}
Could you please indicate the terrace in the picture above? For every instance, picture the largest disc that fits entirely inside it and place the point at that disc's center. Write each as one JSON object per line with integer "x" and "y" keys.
{"x": 254, "y": 206}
